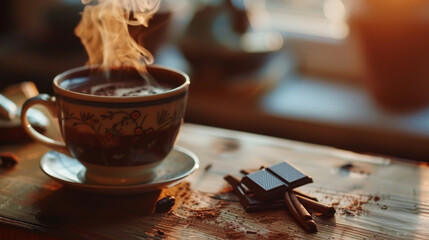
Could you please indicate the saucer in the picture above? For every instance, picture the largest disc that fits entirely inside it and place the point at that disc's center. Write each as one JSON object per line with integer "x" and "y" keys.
{"x": 179, "y": 164}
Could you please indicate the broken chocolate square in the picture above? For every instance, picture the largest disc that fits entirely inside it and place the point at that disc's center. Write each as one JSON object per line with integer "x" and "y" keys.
{"x": 270, "y": 183}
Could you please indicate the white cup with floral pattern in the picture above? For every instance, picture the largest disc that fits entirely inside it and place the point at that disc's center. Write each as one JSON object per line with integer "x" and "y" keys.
{"x": 119, "y": 139}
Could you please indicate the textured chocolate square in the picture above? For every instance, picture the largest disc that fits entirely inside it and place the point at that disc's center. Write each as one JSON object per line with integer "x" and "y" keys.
{"x": 249, "y": 201}
{"x": 289, "y": 175}
{"x": 264, "y": 185}
{"x": 274, "y": 181}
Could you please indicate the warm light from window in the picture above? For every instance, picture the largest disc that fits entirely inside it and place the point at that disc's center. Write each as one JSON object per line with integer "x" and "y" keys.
{"x": 258, "y": 16}
{"x": 334, "y": 9}
{"x": 261, "y": 41}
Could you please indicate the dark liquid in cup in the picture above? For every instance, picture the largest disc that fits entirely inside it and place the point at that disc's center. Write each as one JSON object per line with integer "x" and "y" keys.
{"x": 128, "y": 88}
{"x": 123, "y": 150}
{"x": 121, "y": 141}
{"x": 117, "y": 83}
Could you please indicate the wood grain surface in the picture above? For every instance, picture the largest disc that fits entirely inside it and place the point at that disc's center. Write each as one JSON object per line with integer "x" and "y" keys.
{"x": 375, "y": 197}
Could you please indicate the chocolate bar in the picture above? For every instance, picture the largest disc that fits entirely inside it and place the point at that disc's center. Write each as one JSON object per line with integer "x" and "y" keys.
{"x": 270, "y": 183}
{"x": 251, "y": 204}
{"x": 248, "y": 201}
{"x": 296, "y": 191}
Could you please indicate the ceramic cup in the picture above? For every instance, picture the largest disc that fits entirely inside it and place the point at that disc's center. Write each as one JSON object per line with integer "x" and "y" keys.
{"x": 120, "y": 140}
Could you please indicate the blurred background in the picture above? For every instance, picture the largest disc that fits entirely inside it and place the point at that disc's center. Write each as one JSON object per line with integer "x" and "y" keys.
{"x": 349, "y": 74}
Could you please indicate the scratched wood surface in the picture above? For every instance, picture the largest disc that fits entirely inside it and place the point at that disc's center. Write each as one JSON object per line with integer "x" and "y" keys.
{"x": 376, "y": 198}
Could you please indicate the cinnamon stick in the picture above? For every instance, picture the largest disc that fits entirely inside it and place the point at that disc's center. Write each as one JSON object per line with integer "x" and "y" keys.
{"x": 299, "y": 207}
{"x": 308, "y": 225}
{"x": 325, "y": 210}
{"x": 297, "y": 192}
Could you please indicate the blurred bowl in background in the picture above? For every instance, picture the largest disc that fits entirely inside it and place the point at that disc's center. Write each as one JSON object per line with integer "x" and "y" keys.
{"x": 211, "y": 41}
{"x": 249, "y": 56}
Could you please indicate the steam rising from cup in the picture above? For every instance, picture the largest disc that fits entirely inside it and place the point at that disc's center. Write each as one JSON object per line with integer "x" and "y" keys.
{"x": 103, "y": 31}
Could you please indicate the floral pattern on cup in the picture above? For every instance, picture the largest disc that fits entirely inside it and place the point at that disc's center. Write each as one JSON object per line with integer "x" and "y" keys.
{"x": 110, "y": 125}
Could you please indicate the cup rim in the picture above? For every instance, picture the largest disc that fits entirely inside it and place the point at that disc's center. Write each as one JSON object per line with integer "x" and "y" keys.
{"x": 119, "y": 99}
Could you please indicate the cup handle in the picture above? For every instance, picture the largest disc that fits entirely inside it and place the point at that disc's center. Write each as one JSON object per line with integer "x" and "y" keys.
{"x": 50, "y": 103}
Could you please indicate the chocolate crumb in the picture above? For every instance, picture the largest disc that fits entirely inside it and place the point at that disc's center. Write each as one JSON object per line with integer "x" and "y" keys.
{"x": 348, "y": 213}
{"x": 384, "y": 207}
{"x": 164, "y": 204}
{"x": 205, "y": 213}
{"x": 234, "y": 235}
{"x": 249, "y": 171}
{"x": 244, "y": 171}
{"x": 267, "y": 220}
{"x": 352, "y": 205}
{"x": 280, "y": 236}
{"x": 159, "y": 232}
{"x": 226, "y": 189}
{"x": 208, "y": 167}
{"x": 8, "y": 160}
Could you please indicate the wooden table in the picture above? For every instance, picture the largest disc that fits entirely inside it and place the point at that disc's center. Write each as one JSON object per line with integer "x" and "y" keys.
{"x": 376, "y": 198}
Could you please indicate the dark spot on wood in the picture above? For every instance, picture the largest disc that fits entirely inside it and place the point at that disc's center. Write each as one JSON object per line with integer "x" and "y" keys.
{"x": 226, "y": 145}
{"x": 346, "y": 167}
{"x": 231, "y": 145}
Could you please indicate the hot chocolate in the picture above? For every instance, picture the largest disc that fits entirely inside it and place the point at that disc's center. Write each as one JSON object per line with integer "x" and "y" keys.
{"x": 121, "y": 89}
{"x": 114, "y": 149}
{"x": 113, "y": 84}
